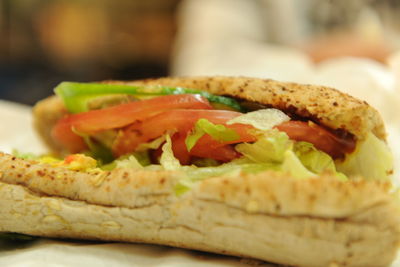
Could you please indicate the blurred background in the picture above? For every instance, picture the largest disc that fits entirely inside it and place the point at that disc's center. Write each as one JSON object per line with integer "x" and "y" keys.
{"x": 44, "y": 42}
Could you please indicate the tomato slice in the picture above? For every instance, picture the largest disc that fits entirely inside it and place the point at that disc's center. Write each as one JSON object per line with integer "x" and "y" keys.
{"x": 318, "y": 136}
{"x": 176, "y": 120}
{"x": 223, "y": 153}
{"x": 244, "y": 131}
{"x": 204, "y": 148}
{"x": 63, "y": 134}
{"x": 179, "y": 148}
{"x": 119, "y": 116}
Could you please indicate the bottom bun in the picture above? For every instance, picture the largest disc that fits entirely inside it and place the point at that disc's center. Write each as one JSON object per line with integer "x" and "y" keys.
{"x": 207, "y": 225}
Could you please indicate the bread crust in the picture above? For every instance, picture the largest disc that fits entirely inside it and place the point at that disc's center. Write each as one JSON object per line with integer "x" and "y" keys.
{"x": 268, "y": 216}
{"x": 268, "y": 192}
{"x": 46, "y": 113}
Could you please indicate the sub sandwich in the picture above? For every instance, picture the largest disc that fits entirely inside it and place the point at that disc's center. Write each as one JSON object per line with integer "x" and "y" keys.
{"x": 287, "y": 173}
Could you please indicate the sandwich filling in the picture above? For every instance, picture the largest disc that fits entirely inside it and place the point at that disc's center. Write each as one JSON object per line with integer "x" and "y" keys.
{"x": 204, "y": 135}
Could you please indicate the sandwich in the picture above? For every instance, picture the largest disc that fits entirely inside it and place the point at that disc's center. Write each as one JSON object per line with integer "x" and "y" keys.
{"x": 286, "y": 173}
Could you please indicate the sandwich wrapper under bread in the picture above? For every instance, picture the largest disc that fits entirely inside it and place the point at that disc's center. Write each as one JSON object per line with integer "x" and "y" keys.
{"x": 381, "y": 91}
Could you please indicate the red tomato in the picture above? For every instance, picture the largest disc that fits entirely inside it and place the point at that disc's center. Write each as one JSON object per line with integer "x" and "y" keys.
{"x": 244, "y": 131}
{"x": 204, "y": 148}
{"x": 119, "y": 116}
{"x": 175, "y": 120}
{"x": 223, "y": 153}
{"x": 179, "y": 148}
{"x": 318, "y": 136}
{"x": 64, "y": 135}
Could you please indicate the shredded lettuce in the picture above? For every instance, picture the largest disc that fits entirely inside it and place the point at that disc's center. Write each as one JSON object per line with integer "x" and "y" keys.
{"x": 269, "y": 148}
{"x": 23, "y": 155}
{"x": 168, "y": 160}
{"x": 194, "y": 174}
{"x": 130, "y": 162}
{"x": 275, "y": 147}
{"x": 100, "y": 153}
{"x": 217, "y": 131}
{"x": 315, "y": 160}
{"x": 136, "y": 160}
{"x": 205, "y": 162}
{"x": 156, "y": 143}
{"x": 96, "y": 150}
{"x": 371, "y": 159}
{"x": 300, "y": 159}
{"x": 292, "y": 164}
{"x": 272, "y": 151}
{"x": 263, "y": 119}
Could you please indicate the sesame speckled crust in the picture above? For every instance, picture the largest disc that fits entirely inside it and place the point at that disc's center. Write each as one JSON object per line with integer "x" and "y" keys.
{"x": 271, "y": 192}
{"x": 268, "y": 216}
{"x": 327, "y": 106}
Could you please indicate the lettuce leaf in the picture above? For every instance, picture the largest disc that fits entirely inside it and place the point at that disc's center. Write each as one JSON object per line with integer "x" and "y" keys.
{"x": 193, "y": 174}
{"x": 371, "y": 159}
{"x": 129, "y": 162}
{"x": 168, "y": 160}
{"x": 217, "y": 131}
{"x": 268, "y": 148}
{"x": 263, "y": 119}
{"x": 156, "y": 143}
{"x": 136, "y": 160}
{"x": 300, "y": 159}
{"x": 292, "y": 164}
{"x": 315, "y": 160}
{"x": 272, "y": 151}
{"x": 23, "y": 155}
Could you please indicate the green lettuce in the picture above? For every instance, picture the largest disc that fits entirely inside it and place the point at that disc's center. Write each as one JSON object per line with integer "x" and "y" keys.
{"x": 217, "y": 131}
{"x": 156, "y": 143}
{"x": 268, "y": 148}
{"x": 272, "y": 151}
{"x": 300, "y": 159}
{"x": 129, "y": 162}
{"x": 193, "y": 174}
{"x": 315, "y": 160}
{"x": 23, "y": 155}
{"x": 136, "y": 160}
{"x": 263, "y": 119}
{"x": 371, "y": 159}
{"x": 292, "y": 164}
{"x": 168, "y": 160}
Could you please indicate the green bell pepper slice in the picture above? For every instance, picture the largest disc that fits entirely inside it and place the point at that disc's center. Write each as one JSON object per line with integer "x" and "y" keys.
{"x": 77, "y": 95}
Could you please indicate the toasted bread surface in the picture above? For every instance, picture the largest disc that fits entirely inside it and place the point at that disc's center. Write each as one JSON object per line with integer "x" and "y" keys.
{"x": 268, "y": 216}
{"x": 327, "y": 106}
{"x": 268, "y": 192}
